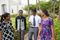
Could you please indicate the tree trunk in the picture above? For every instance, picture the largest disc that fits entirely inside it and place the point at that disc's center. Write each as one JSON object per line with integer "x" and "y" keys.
{"x": 59, "y": 7}
{"x": 53, "y": 7}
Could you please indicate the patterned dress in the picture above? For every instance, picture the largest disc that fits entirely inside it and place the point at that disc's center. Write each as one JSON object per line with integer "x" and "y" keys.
{"x": 7, "y": 29}
{"x": 46, "y": 32}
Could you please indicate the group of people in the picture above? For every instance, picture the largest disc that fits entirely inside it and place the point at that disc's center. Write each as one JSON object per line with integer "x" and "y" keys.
{"x": 42, "y": 27}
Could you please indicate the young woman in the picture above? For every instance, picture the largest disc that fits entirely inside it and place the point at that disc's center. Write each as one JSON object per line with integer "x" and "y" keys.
{"x": 6, "y": 28}
{"x": 46, "y": 29}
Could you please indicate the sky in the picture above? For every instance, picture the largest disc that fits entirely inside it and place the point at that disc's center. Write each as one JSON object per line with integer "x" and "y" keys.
{"x": 24, "y": 2}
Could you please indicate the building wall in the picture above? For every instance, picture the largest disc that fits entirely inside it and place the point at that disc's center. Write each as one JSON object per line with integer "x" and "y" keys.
{"x": 13, "y": 5}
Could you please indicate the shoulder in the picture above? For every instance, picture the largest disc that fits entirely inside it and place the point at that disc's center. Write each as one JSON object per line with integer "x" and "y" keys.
{"x": 23, "y": 16}
{"x": 3, "y": 23}
{"x": 38, "y": 17}
{"x": 31, "y": 16}
{"x": 50, "y": 18}
{"x": 17, "y": 17}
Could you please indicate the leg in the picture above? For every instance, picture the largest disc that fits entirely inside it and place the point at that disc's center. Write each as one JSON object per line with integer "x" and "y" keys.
{"x": 22, "y": 34}
{"x": 35, "y": 33}
{"x": 30, "y": 33}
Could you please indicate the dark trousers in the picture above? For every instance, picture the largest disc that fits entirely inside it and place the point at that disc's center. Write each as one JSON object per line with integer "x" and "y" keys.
{"x": 22, "y": 32}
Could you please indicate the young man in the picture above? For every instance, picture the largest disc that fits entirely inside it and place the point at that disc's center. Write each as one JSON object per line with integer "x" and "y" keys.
{"x": 34, "y": 21}
{"x": 21, "y": 24}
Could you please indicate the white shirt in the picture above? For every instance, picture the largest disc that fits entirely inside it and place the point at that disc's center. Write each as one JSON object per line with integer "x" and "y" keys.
{"x": 37, "y": 20}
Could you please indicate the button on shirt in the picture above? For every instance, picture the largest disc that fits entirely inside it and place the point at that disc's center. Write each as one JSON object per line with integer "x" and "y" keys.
{"x": 37, "y": 20}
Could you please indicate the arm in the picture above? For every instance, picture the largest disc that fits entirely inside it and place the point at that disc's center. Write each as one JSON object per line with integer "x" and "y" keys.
{"x": 52, "y": 28}
{"x": 25, "y": 23}
{"x": 0, "y": 35}
{"x": 16, "y": 23}
{"x": 40, "y": 28}
{"x": 0, "y": 32}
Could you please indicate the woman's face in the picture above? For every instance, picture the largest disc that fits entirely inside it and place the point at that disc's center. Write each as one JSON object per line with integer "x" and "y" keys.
{"x": 8, "y": 18}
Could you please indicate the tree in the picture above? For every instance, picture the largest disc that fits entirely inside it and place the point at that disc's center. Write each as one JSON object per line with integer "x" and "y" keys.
{"x": 53, "y": 7}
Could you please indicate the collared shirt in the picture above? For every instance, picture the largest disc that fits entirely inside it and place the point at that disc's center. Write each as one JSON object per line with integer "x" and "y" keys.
{"x": 37, "y": 20}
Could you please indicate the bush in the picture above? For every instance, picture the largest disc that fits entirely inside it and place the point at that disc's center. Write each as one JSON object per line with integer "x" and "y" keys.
{"x": 57, "y": 29}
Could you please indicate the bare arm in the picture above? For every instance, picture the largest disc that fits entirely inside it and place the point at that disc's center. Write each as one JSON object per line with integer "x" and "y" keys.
{"x": 40, "y": 28}
{"x": 52, "y": 28}
{"x": 0, "y": 35}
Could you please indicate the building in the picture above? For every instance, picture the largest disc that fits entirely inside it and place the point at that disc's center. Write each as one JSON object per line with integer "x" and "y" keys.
{"x": 12, "y": 6}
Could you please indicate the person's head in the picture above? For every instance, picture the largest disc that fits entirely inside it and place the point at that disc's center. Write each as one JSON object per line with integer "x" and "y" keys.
{"x": 33, "y": 11}
{"x": 2, "y": 18}
{"x": 44, "y": 13}
{"x": 20, "y": 12}
{"x": 6, "y": 16}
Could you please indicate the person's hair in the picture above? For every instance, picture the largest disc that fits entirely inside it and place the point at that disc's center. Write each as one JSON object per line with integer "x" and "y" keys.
{"x": 2, "y": 18}
{"x": 21, "y": 11}
{"x": 34, "y": 10}
{"x": 45, "y": 12}
{"x": 6, "y": 15}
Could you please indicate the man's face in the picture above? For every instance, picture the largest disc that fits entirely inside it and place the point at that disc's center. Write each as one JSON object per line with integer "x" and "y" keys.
{"x": 33, "y": 13}
{"x": 20, "y": 13}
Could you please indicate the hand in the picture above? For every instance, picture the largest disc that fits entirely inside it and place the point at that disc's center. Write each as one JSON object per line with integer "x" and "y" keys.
{"x": 53, "y": 38}
{"x": 38, "y": 37}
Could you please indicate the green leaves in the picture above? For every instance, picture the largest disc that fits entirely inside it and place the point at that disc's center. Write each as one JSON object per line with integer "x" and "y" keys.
{"x": 57, "y": 28}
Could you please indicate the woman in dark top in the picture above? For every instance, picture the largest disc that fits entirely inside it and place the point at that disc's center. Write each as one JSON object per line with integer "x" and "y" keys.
{"x": 6, "y": 28}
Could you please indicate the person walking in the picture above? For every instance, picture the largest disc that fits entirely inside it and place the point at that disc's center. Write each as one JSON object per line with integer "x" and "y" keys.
{"x": 21, "y": 24}
{"x": 46, "y": 29}
{"x": 6, "y": 28}
{"x": 34, "y": 21}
